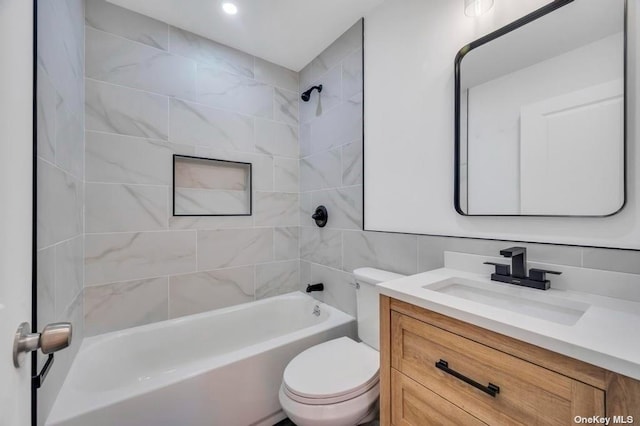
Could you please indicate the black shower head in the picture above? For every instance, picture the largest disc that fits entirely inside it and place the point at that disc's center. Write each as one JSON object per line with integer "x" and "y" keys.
{"x": 307, "y": 95}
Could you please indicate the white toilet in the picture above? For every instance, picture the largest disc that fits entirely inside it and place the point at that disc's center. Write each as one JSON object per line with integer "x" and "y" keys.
{"x": 335, "y": 383}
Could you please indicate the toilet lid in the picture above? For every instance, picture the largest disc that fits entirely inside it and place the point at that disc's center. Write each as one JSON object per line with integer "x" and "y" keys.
{"x": 332, "y": 369}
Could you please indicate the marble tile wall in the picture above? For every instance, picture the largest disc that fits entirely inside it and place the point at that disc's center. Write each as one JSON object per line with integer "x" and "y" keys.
{"x": 151, "y": 91}
{"x": 331, "y": 169}
{"x": 60, "y": 181}
{"x": 331, "y": 175}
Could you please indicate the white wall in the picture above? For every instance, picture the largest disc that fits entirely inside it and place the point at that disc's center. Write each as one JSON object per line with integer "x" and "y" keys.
{"x": 410, "y": 47}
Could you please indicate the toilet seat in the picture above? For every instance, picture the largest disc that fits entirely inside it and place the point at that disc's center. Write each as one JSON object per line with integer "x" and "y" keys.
{"x": 332, "y": 372}
{"x": 332, "y": 400}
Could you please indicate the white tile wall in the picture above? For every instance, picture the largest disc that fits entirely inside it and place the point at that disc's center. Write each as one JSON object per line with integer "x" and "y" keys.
{"x": 234, "y": 247}
{"x": 286, "y": 243}
{"x": 107, "y": 17}
{"x": 275, "y": 278}
{"x": 155, "y": 90}
{"x": 204, "y": 291}
{"x": 60, "y": 183}
{"x": 181, "y": 93}
{"x": 60, "y": 205}
{"x": 276, "y": 138}
{"x": 275, "y": 75}
{"x": 210, "y": 53}
{"x": 114, "y": 207}
{"x": 117, "y": 60}
{"x": 126, "y": 304}
{"x": 196, "y": 124}
{"x": 286, "y": 175}
{"x": 126, "y": 256}
{"x": 276, "y": 209}
{"x": 120, "y": 110}
{"x": 125, "y": 159}
{"x": 233, "y": 92}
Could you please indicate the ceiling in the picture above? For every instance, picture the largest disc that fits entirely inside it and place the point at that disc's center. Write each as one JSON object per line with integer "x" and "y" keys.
{"x": 287, "y": 32}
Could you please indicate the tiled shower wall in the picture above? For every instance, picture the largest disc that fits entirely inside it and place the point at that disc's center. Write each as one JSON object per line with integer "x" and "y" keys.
{"x": 151, "y": 91}
{"x": 331, "y": 175}
{"x": 60, "y": 169}
{"x": 154, "y": 90}
{"x": 331, "y": 166}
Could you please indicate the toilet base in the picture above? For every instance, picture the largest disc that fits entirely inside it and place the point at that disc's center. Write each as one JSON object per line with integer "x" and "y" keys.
{"x": 353, "y": 412}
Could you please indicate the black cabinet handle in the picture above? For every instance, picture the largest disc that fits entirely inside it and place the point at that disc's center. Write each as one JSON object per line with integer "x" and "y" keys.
{"x": 490, "y": 390}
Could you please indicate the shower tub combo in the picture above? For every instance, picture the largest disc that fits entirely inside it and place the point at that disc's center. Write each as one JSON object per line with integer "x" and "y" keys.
{"x": 216, "y": 368}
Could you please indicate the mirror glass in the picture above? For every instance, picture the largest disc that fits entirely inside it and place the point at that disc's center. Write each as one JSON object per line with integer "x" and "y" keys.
{"x": 541, "y": 114}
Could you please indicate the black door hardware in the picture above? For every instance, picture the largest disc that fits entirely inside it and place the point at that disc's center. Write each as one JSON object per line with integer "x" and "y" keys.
{"x": 491, "y": 389}
{"x": 38, "y": 380}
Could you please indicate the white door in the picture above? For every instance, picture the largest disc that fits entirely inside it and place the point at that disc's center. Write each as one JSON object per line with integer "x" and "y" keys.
{"x": 16, "y": 76}
{"x": 572, "y": 152}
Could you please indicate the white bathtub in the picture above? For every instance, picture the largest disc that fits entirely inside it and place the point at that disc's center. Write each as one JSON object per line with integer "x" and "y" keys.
{"x": 217, "y": 368}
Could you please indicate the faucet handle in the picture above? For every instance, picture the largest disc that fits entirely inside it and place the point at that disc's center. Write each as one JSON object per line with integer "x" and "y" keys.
{"x": 541, "y": 274}
{"x": 501, "y": 268}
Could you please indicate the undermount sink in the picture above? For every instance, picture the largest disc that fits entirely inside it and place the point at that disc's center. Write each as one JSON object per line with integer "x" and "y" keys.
{"x": 542, "y": 305}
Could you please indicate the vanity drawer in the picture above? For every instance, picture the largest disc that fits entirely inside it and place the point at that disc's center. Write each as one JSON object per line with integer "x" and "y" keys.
{"x": 528, "y": 394}
{"x": 415, "y": 405}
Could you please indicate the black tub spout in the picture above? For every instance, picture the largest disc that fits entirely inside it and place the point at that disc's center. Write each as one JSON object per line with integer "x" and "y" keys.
{"x": 315, "y": 287}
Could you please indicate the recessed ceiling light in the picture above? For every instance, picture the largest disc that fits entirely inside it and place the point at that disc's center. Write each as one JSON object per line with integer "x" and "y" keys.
{"x": 475, "y": 8}
{"x": 230, "y": 8}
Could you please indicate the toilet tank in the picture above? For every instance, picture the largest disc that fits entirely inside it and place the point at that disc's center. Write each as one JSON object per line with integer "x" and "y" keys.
{"x": 368, "y": 303}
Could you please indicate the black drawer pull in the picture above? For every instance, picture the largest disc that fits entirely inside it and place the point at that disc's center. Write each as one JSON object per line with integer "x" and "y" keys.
{"x": 490, "y": 390}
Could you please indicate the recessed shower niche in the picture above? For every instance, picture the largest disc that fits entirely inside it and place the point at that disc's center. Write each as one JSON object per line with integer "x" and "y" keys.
{"x": 211, "y": 187}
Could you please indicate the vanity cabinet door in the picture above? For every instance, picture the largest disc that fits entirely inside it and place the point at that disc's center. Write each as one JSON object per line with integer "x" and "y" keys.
{"x": 491, "y": 385}
{"x": 415, "y": 405}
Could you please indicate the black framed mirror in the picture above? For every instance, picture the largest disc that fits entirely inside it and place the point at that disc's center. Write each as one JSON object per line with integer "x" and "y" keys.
{"x": 540, "y": 114}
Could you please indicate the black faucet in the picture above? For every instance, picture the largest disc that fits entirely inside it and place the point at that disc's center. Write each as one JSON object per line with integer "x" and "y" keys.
{"x": 518, "y": 257}
{"x": 315, "y": 287}
{"x": 537, "y": 277}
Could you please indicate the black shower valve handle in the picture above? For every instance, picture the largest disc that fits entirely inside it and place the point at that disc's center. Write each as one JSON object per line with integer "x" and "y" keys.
{"x": 321, "y": 216}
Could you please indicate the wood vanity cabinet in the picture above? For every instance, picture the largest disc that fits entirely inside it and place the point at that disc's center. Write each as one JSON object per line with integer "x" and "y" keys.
{"x": 438, "y": 370}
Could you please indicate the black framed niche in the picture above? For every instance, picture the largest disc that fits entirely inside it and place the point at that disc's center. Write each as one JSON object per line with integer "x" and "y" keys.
{"x": 540, "y": 114}
{"x": 211, "y": 187}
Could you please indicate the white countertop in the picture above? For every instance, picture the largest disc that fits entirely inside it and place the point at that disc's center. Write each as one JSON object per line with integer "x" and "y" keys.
{"x": 606, "y": 335}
